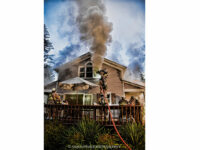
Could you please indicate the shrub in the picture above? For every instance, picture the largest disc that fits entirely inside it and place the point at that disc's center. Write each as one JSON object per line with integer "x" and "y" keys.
{"x": 55, "y": 135}
{"x": 134, "y": 135}
{"x": 89, "y": 132}
{"x": 85, "y": 132}
{"x": 106, "y": 139}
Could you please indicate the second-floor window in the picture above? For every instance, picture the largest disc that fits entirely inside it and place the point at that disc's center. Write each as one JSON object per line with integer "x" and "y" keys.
{"x": 89, "y": 70}
{"x": 82, "y": 72}
{"x": 86, "y": 71}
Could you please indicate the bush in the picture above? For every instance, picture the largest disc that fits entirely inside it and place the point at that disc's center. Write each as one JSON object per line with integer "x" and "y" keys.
{"x": 55, "y": 135}
{"x": 106, "y": 139}
{"x": 134, "y": 135}
{"x": 86, "y": 132}
{"x": 89, "y": 132}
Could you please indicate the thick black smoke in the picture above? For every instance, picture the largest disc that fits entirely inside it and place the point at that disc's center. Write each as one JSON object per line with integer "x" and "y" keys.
{"x": 94, "y": 28}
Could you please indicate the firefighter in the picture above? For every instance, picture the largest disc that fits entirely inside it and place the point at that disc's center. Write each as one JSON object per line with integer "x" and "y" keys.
{"x": 50, "y": 99}
{"x": 54, "y": 97}
{"x": 103, "y": 89}
{"x": 134, "y": 101}
{"x": 121, "y": 103}
{"x": 103, "y": 85}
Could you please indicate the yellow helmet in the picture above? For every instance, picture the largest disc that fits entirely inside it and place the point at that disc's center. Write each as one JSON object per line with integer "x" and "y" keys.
{"x": 53, "y": 90}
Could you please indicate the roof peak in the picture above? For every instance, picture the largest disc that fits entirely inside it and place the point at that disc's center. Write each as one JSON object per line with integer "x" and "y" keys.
{"x": 89, "y": 54}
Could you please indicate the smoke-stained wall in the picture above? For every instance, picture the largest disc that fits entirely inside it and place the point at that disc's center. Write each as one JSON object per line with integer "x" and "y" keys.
{"x": 71, "y": 70}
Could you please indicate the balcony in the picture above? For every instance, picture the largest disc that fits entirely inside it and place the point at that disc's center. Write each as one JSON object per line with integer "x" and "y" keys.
{"x": 71, "y": 114}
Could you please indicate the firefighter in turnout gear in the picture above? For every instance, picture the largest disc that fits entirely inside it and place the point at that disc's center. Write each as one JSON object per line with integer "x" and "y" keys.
{"x": 103, "y": 85}
{"x": 104, "y": 101}
{"x": 103, "y": 89}
{"x": 54, "y": 98}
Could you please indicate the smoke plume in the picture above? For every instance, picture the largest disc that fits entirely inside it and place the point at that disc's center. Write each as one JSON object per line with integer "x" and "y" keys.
{"x": 136, "y": 53}
{"x": 94, "y": 29}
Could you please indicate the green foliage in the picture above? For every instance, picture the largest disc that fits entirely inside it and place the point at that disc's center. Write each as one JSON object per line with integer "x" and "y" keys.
{"x": 49, "y": 74}
{"x": 134, "y": 135}
{"x": 89, "y": 132}
{"x": 55, "y": 135}
{"x": 48, "y": 46}
{"x": 106, "y": 139}
{"x": 86, "y": 132}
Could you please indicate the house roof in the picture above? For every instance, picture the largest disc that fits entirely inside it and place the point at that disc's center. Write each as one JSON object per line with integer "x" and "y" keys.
{"x": 88, "y": 55}
{"x": 107, "y": 62}
{"x": 135, "y": 83}
{"x": 50, "y": 85}
{"x": 78, "y": 80}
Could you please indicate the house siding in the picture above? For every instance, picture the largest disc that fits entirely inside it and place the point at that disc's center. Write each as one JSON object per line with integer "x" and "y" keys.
{"x": 115, "y": 84}
{"x": 128, "y": 86}
{"x": 71, "y": 71}
{"x": 67, "y": 73}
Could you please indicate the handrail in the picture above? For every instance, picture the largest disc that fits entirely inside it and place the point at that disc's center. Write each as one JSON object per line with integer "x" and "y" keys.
{"x": 70, "y": 114}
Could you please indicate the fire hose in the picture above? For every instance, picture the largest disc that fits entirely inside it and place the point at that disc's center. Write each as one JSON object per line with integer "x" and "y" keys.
{"x": 114, "y": 122}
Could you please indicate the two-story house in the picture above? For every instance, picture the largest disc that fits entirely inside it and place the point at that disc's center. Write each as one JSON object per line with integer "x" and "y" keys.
{"x": 82, "y": 67}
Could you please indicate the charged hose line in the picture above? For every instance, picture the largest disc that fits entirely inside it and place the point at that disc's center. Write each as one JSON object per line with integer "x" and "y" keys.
{"x": 114, "y": 123}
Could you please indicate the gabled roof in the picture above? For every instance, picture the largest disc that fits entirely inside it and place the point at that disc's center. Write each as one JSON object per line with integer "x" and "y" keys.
{"x": 78, "y": 80}
{"x": 135, "y": 83}
{"x": 50, "y": 85}
{"x": 111, "y": 63}
{"x": 88, "y": 55}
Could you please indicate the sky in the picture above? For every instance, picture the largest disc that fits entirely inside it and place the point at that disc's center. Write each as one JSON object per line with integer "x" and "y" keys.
{"x": 128, "y": 34}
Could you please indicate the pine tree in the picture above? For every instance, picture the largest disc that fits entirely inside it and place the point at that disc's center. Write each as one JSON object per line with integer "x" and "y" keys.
{"x": 48, "y": 58}
{"x": 142, "y": 77}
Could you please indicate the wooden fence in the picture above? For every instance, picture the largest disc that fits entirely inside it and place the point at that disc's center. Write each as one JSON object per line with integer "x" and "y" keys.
{"x": 70, "y": 114}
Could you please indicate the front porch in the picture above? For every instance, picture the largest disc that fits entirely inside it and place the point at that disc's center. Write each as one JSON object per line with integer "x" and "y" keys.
{"x": 71, "y": 114}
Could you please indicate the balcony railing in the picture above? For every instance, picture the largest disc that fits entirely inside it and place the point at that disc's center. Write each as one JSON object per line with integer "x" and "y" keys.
{"x": 70, "y": 114}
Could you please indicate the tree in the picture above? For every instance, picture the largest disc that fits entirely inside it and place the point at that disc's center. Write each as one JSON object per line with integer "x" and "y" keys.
{"x": 139, "y": 74}
{"x": 142, "y": 77}
{"x": 48, "y": 58}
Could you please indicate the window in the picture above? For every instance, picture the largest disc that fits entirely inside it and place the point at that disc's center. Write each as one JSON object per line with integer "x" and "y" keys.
{"x": 88, "y": 99}
{"x": 109, "y": 98}
{"x": 74, "y": 99}
{"x": 82, "y": 72}
{"x": 89, "y": 70}
{"x": 79, "y": 99}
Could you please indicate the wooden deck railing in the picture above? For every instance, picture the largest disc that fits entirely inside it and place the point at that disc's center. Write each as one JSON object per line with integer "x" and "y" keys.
{"x": 70, "y": 114}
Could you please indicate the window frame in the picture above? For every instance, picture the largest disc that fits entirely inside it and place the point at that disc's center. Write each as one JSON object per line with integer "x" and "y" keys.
{"x": 79, "y": 71}
{"x": 87, "y": 66}
{"x": 74, "y": 94}
{"x": 92, "y": 101}
{"x": 83, "y": 100}
{"x": 109, "y": 93}
{"x": 85, "y": 70}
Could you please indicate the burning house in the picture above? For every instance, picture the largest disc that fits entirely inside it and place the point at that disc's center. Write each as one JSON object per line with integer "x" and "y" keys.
{"x": 78, "y": 80}
{"x": 82, "y": 70}
{"x": 92, "y": 87}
